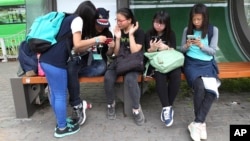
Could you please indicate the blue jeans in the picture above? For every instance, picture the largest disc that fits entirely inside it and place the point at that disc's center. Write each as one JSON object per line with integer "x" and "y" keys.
{"x": 97, "y": 68}
{"x": 202, "y": 101}
{"x": 27, "y": 58}
{"x": 57, "y": 81}
{"x": 78, "y": 67}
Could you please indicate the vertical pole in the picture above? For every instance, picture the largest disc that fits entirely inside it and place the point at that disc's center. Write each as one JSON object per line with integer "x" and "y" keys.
{"x": 122, "y": 4}
{"x": 3, "y": 50}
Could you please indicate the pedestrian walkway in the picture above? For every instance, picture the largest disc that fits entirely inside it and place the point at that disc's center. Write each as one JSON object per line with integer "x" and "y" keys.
{"x": 231, "y": 108}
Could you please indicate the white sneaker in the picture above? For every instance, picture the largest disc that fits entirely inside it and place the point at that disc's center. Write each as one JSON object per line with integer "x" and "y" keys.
{"x": 203, "y": 131}
{"x": 195, "y": 131}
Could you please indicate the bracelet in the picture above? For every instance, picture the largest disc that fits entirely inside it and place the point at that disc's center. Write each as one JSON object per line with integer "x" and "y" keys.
{"x": 97, "y": 40}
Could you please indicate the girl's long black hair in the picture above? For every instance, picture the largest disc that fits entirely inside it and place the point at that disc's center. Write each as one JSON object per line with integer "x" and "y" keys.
{"x": 164, "y": 18}
{"x": 199, "y": 8}
{"x": 127, "y": 13}
{"x": 87, "y": 11}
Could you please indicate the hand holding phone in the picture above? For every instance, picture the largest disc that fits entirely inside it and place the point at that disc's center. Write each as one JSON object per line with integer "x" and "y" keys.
{"x": 108, "y": 40}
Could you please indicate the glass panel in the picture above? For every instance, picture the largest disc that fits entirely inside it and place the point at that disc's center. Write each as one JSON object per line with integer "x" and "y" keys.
{"x": 35, "y": 8}
{"x": 247, "y": 10}
{"x": 179, "y": 11}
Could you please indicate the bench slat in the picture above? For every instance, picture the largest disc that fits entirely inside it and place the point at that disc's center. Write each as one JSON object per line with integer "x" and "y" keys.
{"x": 227, "y": 70}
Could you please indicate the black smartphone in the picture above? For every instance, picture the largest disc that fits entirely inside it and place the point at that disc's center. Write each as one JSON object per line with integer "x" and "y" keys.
{"x": 157, "y": 38}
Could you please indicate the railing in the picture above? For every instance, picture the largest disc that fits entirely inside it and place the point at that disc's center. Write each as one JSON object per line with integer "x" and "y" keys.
{"x": 10, "y": 44}
{"x": 143, "y": 2}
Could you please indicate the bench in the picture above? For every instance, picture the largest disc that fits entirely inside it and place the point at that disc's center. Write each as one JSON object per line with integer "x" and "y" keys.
{"x": 26, "y": 89}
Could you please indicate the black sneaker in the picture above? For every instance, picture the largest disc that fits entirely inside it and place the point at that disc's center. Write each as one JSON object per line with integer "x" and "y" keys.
{"x": 68, "y": 130}
{"x": 79, "y": 113}
{"x": 139, "y": 118}
{"x": 111, "y": 112}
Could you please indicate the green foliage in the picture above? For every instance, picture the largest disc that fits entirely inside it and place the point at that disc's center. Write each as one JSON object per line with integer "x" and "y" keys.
{"x": 185, "y": 90}
{"x": 235, "y": 85}
{"x": 227, "y": 85}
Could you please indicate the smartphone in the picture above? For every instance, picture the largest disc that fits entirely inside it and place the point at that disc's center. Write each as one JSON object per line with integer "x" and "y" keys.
{"x": 157, "y": 38}
{"x": 191, "y": 37}
{"x": 108, "y": 40}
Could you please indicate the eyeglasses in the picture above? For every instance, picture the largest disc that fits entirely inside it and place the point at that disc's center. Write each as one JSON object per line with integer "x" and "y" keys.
{"x": 120, "y": 21}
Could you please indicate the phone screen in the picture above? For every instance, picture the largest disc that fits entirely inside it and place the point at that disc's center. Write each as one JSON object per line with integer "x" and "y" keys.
{"x": 191, "y": 37}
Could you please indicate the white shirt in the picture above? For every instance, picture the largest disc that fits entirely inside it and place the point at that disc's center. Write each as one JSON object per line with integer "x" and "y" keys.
{"x": 77, "y": 25}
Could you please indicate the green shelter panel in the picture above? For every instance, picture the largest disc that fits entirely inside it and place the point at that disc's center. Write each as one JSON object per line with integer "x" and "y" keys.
{"x": 228, "y": 51}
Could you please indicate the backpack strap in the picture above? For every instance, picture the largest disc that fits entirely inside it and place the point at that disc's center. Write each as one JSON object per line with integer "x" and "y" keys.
{"x": 210, "y": 32}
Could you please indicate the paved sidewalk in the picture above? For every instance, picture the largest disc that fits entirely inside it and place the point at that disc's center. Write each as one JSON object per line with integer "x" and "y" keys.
{"x": 229, "y": 109}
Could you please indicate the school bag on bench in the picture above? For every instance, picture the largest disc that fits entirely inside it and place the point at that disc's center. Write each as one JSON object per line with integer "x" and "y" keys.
{"x": 43, "y": 31}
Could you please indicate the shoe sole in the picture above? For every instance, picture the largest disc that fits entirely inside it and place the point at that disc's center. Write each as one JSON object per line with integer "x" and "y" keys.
{"x": 66, "y": 134}
{"x": 189, "y": 129}
{"x": 84, "y": 107}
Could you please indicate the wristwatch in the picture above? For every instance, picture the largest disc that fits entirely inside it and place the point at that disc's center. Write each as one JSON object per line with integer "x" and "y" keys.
{"x": 97, "y": 40}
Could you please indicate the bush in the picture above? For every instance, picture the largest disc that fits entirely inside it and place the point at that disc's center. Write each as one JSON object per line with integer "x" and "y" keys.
{"x": 235, "y": 85}
{"x": 227, "y": 85}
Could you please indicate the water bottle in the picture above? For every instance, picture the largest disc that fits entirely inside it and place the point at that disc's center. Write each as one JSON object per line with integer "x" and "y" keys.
{"x": 86, "y": 105}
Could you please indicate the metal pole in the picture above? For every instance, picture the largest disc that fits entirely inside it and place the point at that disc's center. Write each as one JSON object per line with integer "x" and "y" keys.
{"x": 5, "y": 59}
{"x": 122, "y": 4}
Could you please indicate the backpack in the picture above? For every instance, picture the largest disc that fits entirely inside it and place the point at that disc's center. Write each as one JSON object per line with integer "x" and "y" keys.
{"x": 44, "y": 30}
{"x": 210, "y": 32}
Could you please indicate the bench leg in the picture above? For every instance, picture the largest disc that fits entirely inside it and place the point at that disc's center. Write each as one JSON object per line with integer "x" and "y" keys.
{"x": 124, "y": 96}
{"x": 24, "y": 96}
{"x": 127, "y": 109}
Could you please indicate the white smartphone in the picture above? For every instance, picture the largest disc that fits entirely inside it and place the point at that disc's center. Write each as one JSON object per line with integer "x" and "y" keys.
{"x": 191, "y": 37}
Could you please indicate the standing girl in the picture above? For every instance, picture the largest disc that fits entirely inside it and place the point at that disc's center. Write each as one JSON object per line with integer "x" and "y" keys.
{"x": 54, "y": 63}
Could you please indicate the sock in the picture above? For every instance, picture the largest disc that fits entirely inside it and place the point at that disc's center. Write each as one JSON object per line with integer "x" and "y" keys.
{"x": 136, "y": 111}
